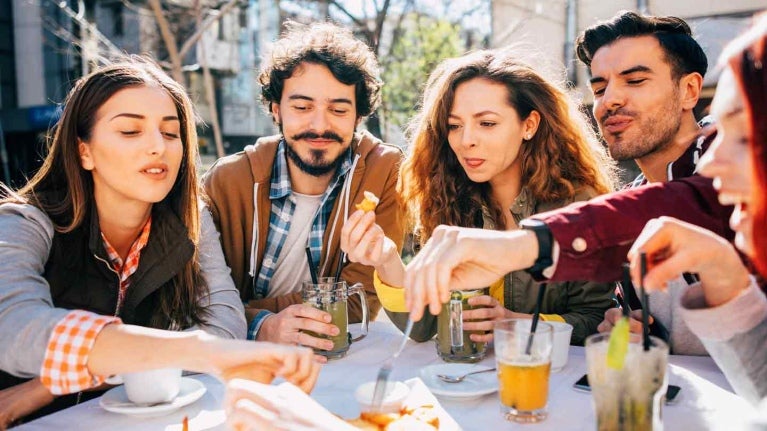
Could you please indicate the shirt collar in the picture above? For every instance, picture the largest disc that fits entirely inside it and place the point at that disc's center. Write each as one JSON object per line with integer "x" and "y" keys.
{"x": 280, "y": 181}
{"x": 522, "y": 208}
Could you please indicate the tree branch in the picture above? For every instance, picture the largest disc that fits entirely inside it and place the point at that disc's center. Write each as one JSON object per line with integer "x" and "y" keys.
{"x": 213, "y": 17}
{"x": 380, "y": 19}
{"x": 169, "y": 39}
{"x": 343, "y": 10}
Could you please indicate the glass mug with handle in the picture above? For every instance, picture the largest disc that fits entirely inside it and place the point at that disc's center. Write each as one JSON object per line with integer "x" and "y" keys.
{"x": 453, "y": 343}
{"x": 332, "y": 297}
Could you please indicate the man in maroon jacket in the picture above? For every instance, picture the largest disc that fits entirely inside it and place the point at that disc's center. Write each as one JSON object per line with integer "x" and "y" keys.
{"x": 646, "y": 76}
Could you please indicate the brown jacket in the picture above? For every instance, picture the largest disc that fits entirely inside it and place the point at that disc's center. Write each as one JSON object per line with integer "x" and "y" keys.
{"x": 238, "y": 183}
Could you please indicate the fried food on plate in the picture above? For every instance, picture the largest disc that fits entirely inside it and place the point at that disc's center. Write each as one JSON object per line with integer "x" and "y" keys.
{"x": 423, "y": 418}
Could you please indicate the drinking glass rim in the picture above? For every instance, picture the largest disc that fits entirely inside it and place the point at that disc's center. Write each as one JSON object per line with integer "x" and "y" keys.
{"x": 634, "y": 338}
{"x": 503, "y": 325}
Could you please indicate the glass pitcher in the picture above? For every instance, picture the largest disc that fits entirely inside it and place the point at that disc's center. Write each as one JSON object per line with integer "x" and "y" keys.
{"x": 453, "y": 343}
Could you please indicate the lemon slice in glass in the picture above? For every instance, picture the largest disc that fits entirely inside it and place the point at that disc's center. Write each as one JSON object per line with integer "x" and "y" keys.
{"x": 618, "y": 345}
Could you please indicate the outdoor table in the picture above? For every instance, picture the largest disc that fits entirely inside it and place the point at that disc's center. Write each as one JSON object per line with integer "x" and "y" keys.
{"x": 705, "y": 402}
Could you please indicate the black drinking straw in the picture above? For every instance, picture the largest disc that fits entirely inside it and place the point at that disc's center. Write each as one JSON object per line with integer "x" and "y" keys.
{"x": 625, "y": 285}
{"x": 312, "y": 270}
{"x": 536, "y": 316}
{"x": 645, "y": 302}
{"x": 340, "y": 266}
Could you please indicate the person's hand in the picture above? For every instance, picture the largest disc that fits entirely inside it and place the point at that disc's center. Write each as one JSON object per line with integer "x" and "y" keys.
{"x": 612, "y": 315}
{"x": 21, "y": 400}
{"x": 674, "y": 247}
{"x": 288, "y": 326}
{"x": 481, "y": 319}
{"x": 261, "y": 361}
{"x": 463, "y": 258}
{"x": 256, "y": 406}
{"x": 364, "y": 241}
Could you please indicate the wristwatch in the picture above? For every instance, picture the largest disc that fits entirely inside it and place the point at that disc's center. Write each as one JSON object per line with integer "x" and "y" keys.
{"x": 545, "y": 241}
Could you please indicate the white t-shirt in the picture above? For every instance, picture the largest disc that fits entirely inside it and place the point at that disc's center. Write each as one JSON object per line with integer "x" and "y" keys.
{"x": 292, "y": 268}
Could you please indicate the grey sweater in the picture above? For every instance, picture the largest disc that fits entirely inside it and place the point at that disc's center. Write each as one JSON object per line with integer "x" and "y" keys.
{"x": 27, "y": 313}
{"x": 734, "y": 334}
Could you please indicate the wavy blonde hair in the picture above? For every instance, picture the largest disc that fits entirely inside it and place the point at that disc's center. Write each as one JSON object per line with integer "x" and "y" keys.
{"x": 563, "y": 158}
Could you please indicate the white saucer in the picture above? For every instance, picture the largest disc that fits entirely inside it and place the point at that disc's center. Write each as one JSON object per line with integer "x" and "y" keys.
{"x": 116, "y": 400}
{"x": 472, "y": 387}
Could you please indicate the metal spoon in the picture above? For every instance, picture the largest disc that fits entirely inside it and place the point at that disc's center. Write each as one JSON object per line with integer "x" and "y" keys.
{"x": 459, "y": 379}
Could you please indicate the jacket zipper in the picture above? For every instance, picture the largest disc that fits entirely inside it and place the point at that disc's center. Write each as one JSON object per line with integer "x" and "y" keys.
{"x": 119, "y": 302}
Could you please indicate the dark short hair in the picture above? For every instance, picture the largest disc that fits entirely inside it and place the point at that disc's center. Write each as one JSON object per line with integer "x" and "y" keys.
{"x": 349, "y": 60}
{"x": 683, "y": 53}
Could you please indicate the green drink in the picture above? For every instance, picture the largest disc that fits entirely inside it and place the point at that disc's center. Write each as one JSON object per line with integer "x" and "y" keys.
{"x": 332, "y": 297}
{"x": 453, "y": 343}
{"x": 338, "y": 317}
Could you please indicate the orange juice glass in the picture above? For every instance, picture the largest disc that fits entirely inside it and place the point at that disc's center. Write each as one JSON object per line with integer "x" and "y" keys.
{"x": 523, "y": 377}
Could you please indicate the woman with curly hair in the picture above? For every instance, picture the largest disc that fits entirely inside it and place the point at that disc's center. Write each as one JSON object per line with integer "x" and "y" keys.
{"x": 494, "y": 143}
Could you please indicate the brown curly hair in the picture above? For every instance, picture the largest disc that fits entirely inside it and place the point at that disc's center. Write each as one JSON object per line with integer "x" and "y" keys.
{"x": 349, "y": 60}
{"x": 563, "y": 158}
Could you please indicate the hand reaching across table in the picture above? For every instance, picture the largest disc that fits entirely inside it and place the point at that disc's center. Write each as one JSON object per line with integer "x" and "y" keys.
{"x": 463, "y": 258}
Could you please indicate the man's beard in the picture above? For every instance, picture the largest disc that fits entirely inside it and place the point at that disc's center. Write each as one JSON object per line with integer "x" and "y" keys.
{"x": 649, "y": 135}
{"x": 316, "y": 166}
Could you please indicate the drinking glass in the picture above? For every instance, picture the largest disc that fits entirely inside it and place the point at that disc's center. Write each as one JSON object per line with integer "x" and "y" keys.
{"x": 523, "y": 376}
{"x": 453, "y": 343}
{"x": 628, "y": 399}
{"x": 332, "y": 297}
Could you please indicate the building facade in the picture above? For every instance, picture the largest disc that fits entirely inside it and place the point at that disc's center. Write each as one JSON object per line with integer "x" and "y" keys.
{"x": 46, "y": 45}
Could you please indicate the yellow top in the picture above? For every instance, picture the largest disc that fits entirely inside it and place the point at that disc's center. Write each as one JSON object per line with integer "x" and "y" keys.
{"x": 393, "y": 298}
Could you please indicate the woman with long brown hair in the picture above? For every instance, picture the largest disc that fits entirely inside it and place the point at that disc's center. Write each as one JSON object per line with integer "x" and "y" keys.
{"x": 109, "y": 236}
{"x": 494, "y": 143}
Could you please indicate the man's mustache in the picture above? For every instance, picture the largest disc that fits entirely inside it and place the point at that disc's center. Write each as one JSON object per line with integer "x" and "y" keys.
{"x": 619, "y": 111}
{"x": 312, "y": 135}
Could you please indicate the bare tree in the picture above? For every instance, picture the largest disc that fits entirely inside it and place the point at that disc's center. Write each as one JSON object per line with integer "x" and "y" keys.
{"x": 96, "y": 48}
{"x": 379, "y": 23}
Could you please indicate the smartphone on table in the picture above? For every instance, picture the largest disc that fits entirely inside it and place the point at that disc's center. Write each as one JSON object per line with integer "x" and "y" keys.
{"x": 671, "y": 392}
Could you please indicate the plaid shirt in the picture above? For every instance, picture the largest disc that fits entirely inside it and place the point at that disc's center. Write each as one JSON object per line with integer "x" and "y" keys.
{"x": 65, "y": 364}
{"x": 283, "y": 205}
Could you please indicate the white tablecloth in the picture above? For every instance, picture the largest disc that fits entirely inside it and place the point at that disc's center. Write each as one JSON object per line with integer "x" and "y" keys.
{"x": 705, "y": 402}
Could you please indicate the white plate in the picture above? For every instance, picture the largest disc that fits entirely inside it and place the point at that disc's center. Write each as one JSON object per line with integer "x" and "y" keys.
{"x": 116, "y": 400}
{"x": 473, "y": 386}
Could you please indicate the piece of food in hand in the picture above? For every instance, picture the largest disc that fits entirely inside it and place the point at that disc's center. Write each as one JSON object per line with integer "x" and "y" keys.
{"x": 369, "y": 203}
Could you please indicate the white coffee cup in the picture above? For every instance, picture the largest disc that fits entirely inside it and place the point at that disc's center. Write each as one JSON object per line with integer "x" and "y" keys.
{"x": 150, "y": 387}
{"x": 559, "y": 353}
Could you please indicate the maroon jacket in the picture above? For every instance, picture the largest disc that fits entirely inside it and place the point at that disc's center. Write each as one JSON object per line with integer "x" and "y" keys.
{"x": 595, "y": 236}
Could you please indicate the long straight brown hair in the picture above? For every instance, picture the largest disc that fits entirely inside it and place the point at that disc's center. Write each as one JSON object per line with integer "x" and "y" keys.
{"x": 62, "y": 175}
{"x": 563, "y": 157}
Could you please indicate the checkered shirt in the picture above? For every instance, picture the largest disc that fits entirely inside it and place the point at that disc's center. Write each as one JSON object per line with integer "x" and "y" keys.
{"x": 125, "y": 270}
{"x": 283, "y": 205}
{"x": 65, "y": 364}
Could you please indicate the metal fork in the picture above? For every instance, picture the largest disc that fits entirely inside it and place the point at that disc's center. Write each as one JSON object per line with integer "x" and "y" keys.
{"x": 383, "y": 374}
